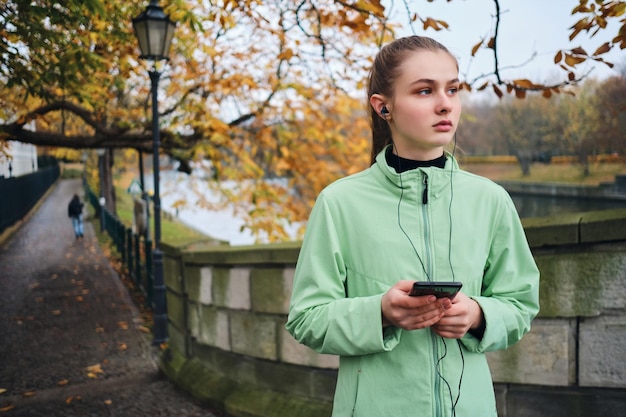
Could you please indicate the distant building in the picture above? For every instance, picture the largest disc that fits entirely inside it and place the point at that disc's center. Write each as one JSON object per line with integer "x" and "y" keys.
{"x": 23, "y": 161}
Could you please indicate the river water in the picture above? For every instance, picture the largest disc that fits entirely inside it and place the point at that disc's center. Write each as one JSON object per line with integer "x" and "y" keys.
{"x": 226, "y": 225}
{"x": 542, "y": 206}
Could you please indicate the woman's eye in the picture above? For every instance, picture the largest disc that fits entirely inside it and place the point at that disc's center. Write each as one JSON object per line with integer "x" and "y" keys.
{"x": 424, "y": 92}
{"x": 453, "y": 90}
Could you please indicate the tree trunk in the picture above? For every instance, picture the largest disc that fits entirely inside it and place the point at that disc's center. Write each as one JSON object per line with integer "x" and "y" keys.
{"x": 108, "y": 188}
{"x": 524, "y": 158}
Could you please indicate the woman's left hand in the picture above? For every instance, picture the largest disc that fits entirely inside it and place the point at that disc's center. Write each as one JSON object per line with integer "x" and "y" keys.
{"x": 463, "y": 315}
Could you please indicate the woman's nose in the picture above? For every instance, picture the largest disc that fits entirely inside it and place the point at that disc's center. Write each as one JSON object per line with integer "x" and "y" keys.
{"x": 444, "y": 104}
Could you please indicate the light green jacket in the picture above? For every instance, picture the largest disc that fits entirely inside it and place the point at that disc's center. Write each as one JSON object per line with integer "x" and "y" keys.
{"x": 355, "y": 249}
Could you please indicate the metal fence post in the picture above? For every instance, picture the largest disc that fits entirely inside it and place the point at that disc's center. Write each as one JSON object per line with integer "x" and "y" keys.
{"x": 138, "y": 274}
{"x": 149, "y": 277}
{"x": 129, "y": 251}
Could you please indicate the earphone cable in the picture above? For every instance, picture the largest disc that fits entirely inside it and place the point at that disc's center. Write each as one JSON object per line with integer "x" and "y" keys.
{"x": 400, "y": 223}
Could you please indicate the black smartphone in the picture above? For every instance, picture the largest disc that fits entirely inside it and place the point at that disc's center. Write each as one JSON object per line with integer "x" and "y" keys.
{"x": 439, "y": 289}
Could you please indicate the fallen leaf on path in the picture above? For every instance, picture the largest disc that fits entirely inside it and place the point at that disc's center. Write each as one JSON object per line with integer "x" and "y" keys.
{"x": 143, "y": 329}
{"x": 28, "y": 394}
{"x": 108, "y": 402}
{"x": 3, "y": 390}
{"x": 79, "y": 298}
{"x": 85, "y": 292}
{"x": 56, "y": 312}
{"x": 34, "y": 285}
{"x": 123, "y": 346}
{"x": 7, "y": 408}
{"x": 54, "y": 276}
{"x": 94, "y": 370}
{"x": 39, "y": 299}
{"x": 99, "y": 329}
{"x": 122, "y": 325}
{"x": 62, "y": 382}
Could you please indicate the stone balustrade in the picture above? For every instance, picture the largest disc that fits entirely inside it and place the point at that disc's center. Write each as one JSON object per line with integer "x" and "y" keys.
{"x": 227, "y": 307}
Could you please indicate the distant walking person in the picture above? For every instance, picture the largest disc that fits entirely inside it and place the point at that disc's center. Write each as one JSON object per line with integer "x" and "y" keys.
{"x": 75, "y": 212}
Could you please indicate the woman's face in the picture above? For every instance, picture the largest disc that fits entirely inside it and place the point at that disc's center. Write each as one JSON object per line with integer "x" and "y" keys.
{"x": 425, "y": 107}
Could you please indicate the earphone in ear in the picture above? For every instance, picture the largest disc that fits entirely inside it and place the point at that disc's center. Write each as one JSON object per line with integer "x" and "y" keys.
{"x": 384, "y": 111}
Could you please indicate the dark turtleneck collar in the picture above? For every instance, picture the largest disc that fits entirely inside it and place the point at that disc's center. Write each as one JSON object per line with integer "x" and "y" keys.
{"x": 402, "y": 164}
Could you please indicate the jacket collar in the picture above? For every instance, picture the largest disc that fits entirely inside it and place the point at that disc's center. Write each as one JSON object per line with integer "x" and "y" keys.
{"x": 408, "y": 178}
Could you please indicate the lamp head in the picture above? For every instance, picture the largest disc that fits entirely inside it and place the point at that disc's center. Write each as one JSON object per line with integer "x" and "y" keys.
{"x": 154, "y": 31}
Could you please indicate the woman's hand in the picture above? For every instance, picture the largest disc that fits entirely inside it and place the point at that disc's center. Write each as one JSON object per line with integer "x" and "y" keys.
{"x": 402, "y": 310}
{"x": 463, "y": 315}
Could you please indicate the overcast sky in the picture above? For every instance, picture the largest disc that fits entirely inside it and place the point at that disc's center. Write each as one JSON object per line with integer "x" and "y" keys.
{"x": 526, "y": 27}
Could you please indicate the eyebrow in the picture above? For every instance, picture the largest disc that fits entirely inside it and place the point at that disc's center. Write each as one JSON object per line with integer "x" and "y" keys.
{"x": 429, "y": 81}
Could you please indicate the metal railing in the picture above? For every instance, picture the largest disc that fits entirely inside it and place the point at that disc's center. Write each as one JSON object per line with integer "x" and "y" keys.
{"x": 20, "y": 194}
{"x": 135, "y": 250}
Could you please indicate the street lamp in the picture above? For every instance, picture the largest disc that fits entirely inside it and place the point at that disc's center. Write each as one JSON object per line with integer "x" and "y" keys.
{"x": 154, "y": 31}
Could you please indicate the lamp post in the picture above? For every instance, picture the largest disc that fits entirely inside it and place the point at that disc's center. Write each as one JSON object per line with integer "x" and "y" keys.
{"x": 154, "y": 31}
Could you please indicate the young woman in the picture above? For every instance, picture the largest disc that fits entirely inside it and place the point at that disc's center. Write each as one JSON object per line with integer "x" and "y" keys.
{"x": 413, "y": 216}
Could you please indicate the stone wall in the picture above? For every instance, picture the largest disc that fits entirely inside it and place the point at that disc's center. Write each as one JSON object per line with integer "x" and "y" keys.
{"x": 227, "y": 308}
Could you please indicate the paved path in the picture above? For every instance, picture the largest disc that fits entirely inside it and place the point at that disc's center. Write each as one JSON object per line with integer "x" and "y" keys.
{"x": 71, "y": 339}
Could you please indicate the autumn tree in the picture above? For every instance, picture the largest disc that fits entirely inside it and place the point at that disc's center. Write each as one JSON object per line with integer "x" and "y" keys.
{"x": 590, "y": 121}
{"x": 259, "y": 88}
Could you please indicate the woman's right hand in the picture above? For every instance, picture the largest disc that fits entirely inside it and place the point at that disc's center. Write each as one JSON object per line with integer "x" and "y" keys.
{"x": 408, "y": 312}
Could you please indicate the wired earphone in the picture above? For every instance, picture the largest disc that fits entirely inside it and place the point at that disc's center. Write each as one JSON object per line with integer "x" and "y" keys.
{"x": 385, "y": 112}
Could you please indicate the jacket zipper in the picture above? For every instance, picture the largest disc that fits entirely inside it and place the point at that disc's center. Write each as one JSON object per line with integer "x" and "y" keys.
{"x": 437, "y": 387}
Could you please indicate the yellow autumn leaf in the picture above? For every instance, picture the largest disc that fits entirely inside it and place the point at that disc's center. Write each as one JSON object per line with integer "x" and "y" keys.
{"x": 143, "y": 329}
{"x": 56, "y": 312}
{"x": 606, "y": 47}
{"x": 524, "y": 83}
{"x": 7, "y": 408}
{"x": 95, "y": 369}
{"x": 122, "y": 325}
{"x": 475, "y": 47}
{"x": 3, "y": 390}
{"x": 28, "y": 394}
{"x": 122, "y": 347}
{"x": 99, "y": 329}
{"x": 497, "y": 91}
{"x": 108, "y": 402}
{"x": 573, "y": 60}
{"x": 558, "y": 57}
{"x": 62, "y": 382}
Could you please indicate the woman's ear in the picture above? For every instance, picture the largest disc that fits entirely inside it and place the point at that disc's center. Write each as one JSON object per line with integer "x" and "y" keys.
{"x": 378, "y": 103}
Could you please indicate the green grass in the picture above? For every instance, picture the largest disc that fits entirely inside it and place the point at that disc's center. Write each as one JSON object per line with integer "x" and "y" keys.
{"x": 551, "y": 173}
{"x": 173, "y": 232}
